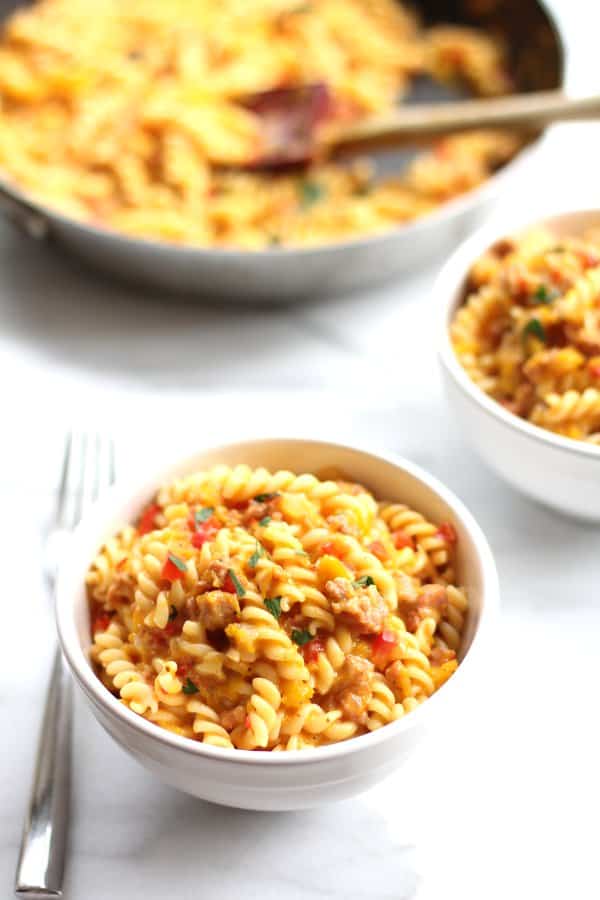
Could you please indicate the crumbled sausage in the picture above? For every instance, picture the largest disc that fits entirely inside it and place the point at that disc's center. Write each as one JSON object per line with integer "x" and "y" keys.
{"x": 363, "y": 608}
{"x": 213, "y": 576}
{"x": 339, "y": 522}
{"x": 432, "y": 599}
{"x": 441, "y": 655}
{"x": 352, "y": 690}
{"x": 585, "y": 339}
{"x": 523, "y": 400}
{"x": 217, "y": 609}
{"x": 255, "y": 510}
{"x": 338, "y": 589}
{"x": 233, "y": 717}
{"x": 503, "y": 247}
{"x": 120, "y": 590}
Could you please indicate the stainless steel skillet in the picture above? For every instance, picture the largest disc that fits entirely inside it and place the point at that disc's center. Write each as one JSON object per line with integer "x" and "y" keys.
{"x": 537, "y": 62}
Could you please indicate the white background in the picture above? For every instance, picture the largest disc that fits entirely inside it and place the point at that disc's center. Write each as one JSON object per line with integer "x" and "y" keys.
{"x": 507, "y": 804}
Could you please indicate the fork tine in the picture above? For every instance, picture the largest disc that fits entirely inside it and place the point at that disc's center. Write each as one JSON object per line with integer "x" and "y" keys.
{"x": 88, "y": 469}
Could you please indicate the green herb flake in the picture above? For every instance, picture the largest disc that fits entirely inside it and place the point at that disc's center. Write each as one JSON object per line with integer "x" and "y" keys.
{"x": 545, "y": 294}
{"x": 534, "y": 328}
{"x": 174, "y": 612}
{"x": 310, "y": 193}
{"x": 264, "y": 522}
{"x": 301, "y": 553}
{"x": 189, "y": 687}
{"x": 273, "y": 604}
{"x": 363, "y": 581}
{"x": 264, "y": 498}
{"x": 201, "y": 515}
{"x": 301, "y": 636}
{"x": 177, "y": 562}
{"x": 260, "y": 551}
{"x": 239, "y": 587}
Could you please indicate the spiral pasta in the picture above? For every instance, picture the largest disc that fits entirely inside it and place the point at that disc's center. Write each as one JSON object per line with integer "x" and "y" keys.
{"x": 274, "y": 611}
{"x": 141, "y": 122}
{"x": 528, "y": 333}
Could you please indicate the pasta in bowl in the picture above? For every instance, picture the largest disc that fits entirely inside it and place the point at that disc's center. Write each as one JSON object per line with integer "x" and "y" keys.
{"x": 250, "y": 610}
{"x": 520, "y": 348}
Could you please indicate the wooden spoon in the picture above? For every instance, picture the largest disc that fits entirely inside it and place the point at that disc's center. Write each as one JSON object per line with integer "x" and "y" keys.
{"x": 298, "y": 124}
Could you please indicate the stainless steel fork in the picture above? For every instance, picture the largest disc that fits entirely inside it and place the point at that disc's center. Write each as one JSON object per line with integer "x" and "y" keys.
{"x": 88, "y": 468}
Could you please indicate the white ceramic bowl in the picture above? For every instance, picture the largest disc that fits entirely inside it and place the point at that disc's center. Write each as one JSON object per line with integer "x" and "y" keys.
{"x": 554, "y": 470}
{"x": 294, "y": 779}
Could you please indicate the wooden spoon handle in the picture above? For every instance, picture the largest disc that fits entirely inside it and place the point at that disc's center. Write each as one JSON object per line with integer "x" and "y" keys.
{"x": 422, "y": 123}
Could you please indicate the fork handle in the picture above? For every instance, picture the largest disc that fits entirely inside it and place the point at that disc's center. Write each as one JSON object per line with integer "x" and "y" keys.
{"x": 42, "y": 857}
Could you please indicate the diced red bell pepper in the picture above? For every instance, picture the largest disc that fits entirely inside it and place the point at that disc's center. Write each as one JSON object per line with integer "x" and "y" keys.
{"x": 402, "y": 539}
{"x": 247, "y": 723}
{"x": 594, "y": 368}
{"x": 448, "y": 532}
{"x": 382, "y": 645}
{"x": 330, "y": 548}
{"x": 101, "y": 622}
{"x": 228, "y": 585}
{"x": 173, "y": 569}
{"x": 146, "y": 522}
{"x": 588, "y": 258}
{"x": 312, "y": 649}
{"x": 183, "y": 669}
{"x": 203, "y": 531}
{"x": 170, "y": 629}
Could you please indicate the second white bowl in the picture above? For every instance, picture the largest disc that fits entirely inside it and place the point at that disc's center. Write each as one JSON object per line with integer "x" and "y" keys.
{"x": 559, "y": 472}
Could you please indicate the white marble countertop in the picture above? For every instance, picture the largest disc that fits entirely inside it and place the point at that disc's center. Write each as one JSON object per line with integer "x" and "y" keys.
{"x": 507, "y": 804}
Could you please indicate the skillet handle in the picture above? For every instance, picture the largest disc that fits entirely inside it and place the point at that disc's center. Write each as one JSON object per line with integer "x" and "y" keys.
{"x": 23, "y": 216}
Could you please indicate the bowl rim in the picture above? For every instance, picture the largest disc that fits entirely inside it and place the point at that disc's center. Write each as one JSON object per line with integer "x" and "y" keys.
{"x": 450, "y": 282}
{"x": 100, "y": 696}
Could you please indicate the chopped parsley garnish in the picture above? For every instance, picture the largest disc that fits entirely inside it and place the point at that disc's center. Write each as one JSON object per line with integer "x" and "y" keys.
{"x": 534, "y": 328}
{"x": 189, "y": 687}
{"x": 174, "y": 612}
{"x": 310, "y": 193}
{"x": 301, "y": 636}
{"x": 301, "y": 553}
{"x": 177, "y": 562}
{"x": 546, "y": 295}
{"x": 264, "y": 498}
{"x": 260, "y": 551}
{"x": 239, "y": 587}
{"x": 264, "y": 522}
{"x": 201, "y": 515}
{"x": 273, "y": 604}
{"x": 363, "y": 581}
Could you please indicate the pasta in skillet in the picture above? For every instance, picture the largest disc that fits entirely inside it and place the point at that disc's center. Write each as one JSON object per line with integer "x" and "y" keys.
{"x": 529, "y": 331}
{"x": 275, "y": 611}
{"x": 134, "y": 118}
